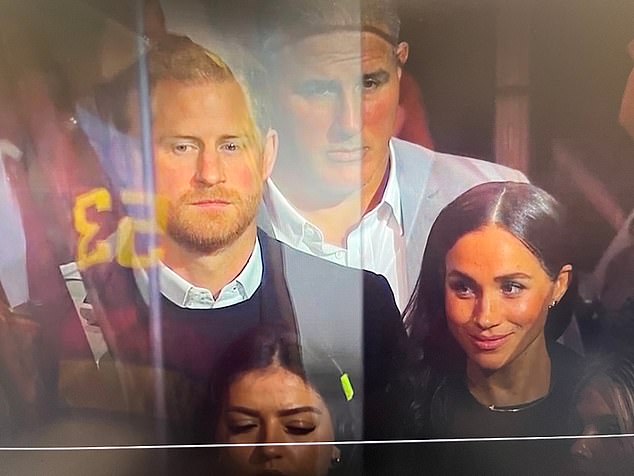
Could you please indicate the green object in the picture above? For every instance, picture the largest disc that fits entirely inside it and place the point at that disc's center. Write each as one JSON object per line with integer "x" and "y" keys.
{"x": 346, "y": 385}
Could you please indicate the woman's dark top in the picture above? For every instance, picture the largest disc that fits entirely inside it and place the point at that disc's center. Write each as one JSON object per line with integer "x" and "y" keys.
{"x": 455, "y": 413}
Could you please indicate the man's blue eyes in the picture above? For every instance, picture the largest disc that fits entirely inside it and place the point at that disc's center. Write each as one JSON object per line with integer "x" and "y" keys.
{"x": 182, "y": 149}
{"x": 230, "y": 147}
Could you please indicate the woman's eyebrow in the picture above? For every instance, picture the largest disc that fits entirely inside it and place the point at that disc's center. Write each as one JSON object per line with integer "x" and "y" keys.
{"x": 295, "y": 410}
{"x": 245, "y": 410}
{"x": 518, "y": 275}
{"x": 454, "y": 273}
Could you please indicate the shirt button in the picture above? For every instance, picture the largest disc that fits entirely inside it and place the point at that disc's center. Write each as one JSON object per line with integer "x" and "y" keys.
{"x": 339, "y": 255}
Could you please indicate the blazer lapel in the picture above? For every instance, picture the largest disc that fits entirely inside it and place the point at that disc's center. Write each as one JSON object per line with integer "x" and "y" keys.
{"x": 276, "y": 304}
{"x": 413, "y": 172}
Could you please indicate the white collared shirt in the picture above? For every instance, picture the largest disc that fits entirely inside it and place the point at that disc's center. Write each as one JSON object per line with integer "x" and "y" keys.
{"x": 376, "y": 243}
{"x": 184, "y": 294}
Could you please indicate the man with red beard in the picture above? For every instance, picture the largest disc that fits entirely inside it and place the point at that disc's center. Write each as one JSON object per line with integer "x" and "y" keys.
{"x": 218, "y": 276}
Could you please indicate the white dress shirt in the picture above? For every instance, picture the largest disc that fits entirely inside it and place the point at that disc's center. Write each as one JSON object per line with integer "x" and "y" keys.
{"x": 376, "y": 243}
{"x": 184, "y": 294}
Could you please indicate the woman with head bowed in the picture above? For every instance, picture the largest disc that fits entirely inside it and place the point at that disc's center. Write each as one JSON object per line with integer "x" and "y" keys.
{"x": 605, "y": 406}
{"x": 490, "y": 301}
{"x": 262, "y": 396}
{"x": 604, "y": 402}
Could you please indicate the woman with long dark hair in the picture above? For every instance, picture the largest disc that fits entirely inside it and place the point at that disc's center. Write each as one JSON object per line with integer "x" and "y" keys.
{"x": 262, "y": 396}
{"x": 489, "y": 299}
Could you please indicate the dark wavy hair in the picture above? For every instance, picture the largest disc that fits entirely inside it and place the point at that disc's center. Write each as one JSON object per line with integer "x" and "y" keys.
{"x": 258, "y": 349}
{"x": 268, "y": 345}
{"x": 527, "y": 212}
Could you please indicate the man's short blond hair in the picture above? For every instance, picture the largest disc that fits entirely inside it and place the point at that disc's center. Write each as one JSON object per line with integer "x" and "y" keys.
{"x": 180, "y": 59}
{"x": 175, "y": 58}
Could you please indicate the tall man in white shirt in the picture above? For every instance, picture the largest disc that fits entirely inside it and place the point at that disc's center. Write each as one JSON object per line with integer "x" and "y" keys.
{"x": 343, "y": 189}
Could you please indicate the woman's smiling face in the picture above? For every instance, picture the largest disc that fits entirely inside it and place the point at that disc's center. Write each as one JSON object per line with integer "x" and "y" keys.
{"x": 497, "y": 295}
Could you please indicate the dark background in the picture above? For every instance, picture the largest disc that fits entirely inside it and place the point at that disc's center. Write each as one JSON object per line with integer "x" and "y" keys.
{"x": 578, "y": 69}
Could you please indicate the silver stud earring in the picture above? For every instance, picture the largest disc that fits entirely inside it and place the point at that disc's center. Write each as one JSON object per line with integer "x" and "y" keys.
{"x": 552, "y": 305}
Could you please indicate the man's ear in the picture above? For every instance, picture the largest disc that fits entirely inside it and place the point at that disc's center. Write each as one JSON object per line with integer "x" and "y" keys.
{"x": 269, "y": 153}
{"x": 402, "y": 53}
{"x": 562, "y": 282}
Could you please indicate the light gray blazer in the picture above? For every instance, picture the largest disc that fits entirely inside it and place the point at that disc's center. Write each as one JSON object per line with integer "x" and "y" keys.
{"x": 429, "y": 181}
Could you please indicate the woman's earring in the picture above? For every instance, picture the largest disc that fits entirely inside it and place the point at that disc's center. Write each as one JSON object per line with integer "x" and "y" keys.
{"x": 336, "y": 457}
{"x": 552, "y": 305}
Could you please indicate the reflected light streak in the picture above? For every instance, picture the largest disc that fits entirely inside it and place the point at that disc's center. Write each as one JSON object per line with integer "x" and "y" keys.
{"x": 154, "y": 304}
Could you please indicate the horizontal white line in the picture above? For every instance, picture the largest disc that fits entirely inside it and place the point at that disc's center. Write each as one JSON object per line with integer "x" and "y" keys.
{"x": 312, "y": 443}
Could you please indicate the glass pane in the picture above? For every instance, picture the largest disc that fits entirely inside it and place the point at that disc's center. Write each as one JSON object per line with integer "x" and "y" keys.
{"x": 248, "y": 237}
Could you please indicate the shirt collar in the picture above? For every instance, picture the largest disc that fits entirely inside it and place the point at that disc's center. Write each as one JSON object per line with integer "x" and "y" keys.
{"x": 184, "y": 294}
{"x": 286, "y": 220}
{"x": 392, "y": 192}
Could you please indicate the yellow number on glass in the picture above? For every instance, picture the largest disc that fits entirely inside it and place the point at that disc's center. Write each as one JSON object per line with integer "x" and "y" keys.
{"x": 101, "y": 252}
{"x": 126, "y": 231}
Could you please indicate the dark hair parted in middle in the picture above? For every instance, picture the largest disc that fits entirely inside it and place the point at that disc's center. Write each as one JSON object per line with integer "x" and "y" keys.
{"x": 256, "y": 350}
{"x": 527, "y": 212}
{"x": 277, "y": 345}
